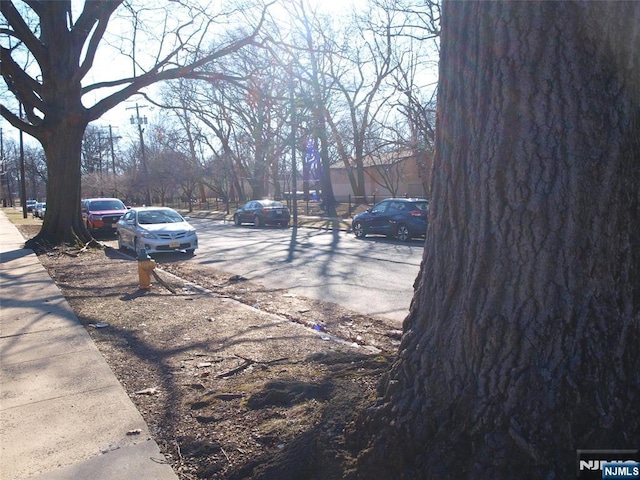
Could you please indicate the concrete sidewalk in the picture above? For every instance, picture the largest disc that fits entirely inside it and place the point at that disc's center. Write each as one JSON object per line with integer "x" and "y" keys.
{"x": 63, "y": 413}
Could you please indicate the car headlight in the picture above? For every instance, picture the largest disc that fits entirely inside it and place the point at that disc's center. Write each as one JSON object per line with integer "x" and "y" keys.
{"x": 96, "y": 217}
{"x": 146, "y": 234}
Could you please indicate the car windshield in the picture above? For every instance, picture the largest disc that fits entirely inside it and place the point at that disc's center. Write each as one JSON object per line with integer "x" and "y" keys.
{"x": 106, "y": 205}
{"x": 159, "y": 216}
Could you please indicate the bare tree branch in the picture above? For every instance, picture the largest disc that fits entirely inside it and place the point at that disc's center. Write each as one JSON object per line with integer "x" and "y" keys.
{"x": 100, "y": 14}
{"x": 21, "y": 31}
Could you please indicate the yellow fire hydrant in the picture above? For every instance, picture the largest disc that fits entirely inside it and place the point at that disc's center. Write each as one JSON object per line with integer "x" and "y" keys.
{"x": 145, "y": 265}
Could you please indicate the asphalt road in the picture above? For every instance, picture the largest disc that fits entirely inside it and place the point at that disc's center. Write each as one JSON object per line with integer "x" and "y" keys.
{"x": 373, "y": 276}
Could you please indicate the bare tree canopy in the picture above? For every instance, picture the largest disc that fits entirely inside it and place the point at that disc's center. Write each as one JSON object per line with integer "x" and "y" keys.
{"x": 48, "y": 49}
{"x": 521, "y": 344}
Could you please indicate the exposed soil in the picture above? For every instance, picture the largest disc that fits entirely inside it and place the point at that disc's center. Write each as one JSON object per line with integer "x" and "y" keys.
{"x": 235, "y": 380}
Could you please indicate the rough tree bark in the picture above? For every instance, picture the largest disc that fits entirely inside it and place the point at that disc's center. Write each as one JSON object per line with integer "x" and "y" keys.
{"x": 521, "y": 345}
{"x": 63, "y": 222}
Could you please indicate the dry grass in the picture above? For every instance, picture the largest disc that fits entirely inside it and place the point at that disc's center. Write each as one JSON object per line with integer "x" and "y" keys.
{"x": 15, "y": 215}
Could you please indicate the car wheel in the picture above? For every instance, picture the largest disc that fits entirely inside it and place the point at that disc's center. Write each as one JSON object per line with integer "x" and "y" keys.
{"x": 256, "y": 221}
{"x": 136, "y": 248}
{"x": 402, "y": 233}
{"x": 236, "y": 220}
{"x": 120, "y": 244}
{"x": 358, "y": 230}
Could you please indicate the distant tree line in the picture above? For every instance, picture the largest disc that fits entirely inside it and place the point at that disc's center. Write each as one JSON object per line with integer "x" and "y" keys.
{"x": 362, "y": 88}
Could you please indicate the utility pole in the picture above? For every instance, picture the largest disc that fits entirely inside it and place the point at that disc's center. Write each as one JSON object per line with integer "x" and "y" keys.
{"x": 113, "y": 163}
{"x": 6, "y": 177}
{"x": 113, "y": 155}
{"x": 23, "y": 182}
{"x": 3, "y": 173}
{"x": 100, "y": 152}
{"x": 145, "y": 171}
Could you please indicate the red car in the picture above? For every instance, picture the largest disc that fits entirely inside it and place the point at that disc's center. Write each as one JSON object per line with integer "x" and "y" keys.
{"x": 102, "y": 214}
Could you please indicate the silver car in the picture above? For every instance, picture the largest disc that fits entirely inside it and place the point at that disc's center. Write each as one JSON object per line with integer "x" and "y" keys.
{"x": 39, "y": 209}
{"x": 156, "y": 229}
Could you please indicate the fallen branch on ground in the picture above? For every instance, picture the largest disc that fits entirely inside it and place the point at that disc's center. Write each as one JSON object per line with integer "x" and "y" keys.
{"x": 247, "y": 363}
{"x": 162, "y": 282}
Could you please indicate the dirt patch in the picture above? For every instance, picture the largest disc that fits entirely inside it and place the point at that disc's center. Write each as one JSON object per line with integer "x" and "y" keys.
{"x": 234, "y": 379}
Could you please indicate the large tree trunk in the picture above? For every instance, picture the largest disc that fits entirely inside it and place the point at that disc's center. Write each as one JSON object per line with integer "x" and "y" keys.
{"x": 521, "y": 345}
{"x": 61, "y": 130}
{"x": 328, "y": 198}
{"x": 63, "y": 221}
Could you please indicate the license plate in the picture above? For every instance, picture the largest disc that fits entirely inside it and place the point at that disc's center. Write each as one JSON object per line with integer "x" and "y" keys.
{"x": 279, "y": 212}
{"x": 174, "y": 244}
{"x": 114, "y": 225}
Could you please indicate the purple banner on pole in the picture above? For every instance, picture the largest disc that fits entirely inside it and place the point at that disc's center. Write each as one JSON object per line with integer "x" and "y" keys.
{"x": 313, "y": 167}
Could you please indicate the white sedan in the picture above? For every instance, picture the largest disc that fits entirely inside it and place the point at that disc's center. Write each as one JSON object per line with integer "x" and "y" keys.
{"x": 156, "y": 229}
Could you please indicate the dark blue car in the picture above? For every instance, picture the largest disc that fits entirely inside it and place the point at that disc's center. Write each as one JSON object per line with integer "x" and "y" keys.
{"x": 262, "y": 212}
{"x": 402, "y": 218}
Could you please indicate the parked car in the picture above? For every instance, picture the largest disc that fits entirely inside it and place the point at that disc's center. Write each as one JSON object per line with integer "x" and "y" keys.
{"x": 262, "y": 212}
{"x": 156, "y": 229}
{"x": 30, "y": 205}
{"x": 102, "y": 213}
{"x": 39, "y": 210}
{"x": 402, "y": 218}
